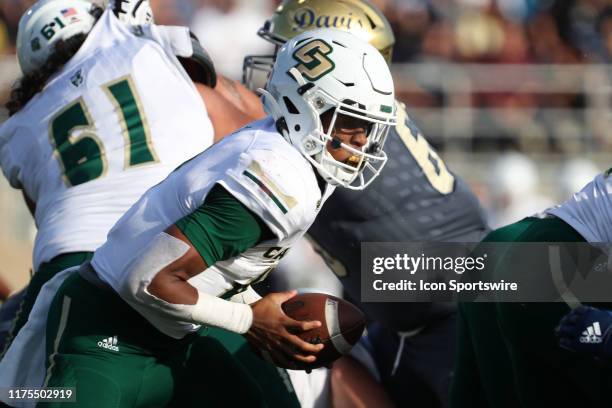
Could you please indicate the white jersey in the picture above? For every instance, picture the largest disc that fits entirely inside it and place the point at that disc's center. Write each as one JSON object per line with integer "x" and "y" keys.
{"x": 589, "y": 211}
{"x": 260, "y": 169}
{"x": 116, "y": 120}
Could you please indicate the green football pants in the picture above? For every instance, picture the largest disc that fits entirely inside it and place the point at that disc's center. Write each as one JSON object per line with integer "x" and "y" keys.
{"x": 115, "y": 358}
{"x": 45, "y": 273}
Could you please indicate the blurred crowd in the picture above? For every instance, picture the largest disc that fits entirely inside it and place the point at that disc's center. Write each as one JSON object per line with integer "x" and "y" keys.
{"x": 523, "y": 118}
{"x": 566, "y": 32}
{"x": 502, "y": 31}
{"x": 484, "y": 31}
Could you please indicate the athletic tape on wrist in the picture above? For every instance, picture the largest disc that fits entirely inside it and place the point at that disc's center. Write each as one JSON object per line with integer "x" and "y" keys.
{"x": 214, "y": 311}
{"x": 247, "y": 297}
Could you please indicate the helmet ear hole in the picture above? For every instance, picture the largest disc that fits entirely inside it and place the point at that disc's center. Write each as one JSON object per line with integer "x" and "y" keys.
{"x": 290, "y": 106}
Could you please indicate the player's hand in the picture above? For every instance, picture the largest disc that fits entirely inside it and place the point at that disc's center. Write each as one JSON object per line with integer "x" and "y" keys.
{"x": 274, "y": 333}
{"x": 587, "y": 330}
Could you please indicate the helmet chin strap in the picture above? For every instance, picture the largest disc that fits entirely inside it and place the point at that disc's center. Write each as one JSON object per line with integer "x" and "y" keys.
{"x": 352, "y": 160}
{"x": 297, "y": 75}
{"x": 271, "y": 104}
{"x": 274, "y": 110}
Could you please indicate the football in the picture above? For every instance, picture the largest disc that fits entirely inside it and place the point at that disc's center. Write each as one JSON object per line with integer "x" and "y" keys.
{"x": 342, "y": 324}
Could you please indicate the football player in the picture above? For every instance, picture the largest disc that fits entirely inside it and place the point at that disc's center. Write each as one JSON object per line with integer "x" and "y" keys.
{"x": 92, "y": 126}
{"x": 508, "y": 353}
{"x": 416, "y": 198}
{"x": 123, "y": 327}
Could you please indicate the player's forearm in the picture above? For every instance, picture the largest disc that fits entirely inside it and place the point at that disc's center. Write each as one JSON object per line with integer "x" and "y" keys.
{"x": 171, "y": 282}
{"x": 187, "y": 303}
{"x": 171, "y": 285}
{"x": 157, "y": 283}
{"x": 242, "y": 98}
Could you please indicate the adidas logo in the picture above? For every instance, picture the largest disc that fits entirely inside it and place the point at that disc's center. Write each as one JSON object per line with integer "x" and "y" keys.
{"x": 109, "y": 343}
{"x": 592, "y": 334}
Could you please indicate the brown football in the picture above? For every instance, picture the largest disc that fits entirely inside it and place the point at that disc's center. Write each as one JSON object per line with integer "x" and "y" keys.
{"x": 342, "y": 324}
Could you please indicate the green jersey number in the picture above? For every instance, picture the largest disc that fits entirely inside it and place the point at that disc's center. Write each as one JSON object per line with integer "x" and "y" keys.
{"x": 78, "y": 148}
{"x": 81, "y": 157}
{"x": 428, "y": 160}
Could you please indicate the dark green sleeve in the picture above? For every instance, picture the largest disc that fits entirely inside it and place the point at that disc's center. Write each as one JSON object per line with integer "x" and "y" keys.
{"x": 531, "y": 229}
{"x": 223, "y": 227}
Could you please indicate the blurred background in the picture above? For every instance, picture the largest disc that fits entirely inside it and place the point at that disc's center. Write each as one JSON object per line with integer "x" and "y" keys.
{"x": 514, "y": 94}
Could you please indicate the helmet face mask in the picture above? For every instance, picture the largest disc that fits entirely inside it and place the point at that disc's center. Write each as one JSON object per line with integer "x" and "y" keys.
{"x": 46, "y": 23}
{"x": 334, "y": 73}
{"x": 363, "y": 165}
{"x": 256, "y": 69}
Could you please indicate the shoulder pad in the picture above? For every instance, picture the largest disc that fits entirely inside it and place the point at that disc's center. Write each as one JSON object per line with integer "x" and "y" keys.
{"x": 199, "y": 65}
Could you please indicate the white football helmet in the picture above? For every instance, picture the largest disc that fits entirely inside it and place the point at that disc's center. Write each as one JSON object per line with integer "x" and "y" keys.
{"x": 324, "y": 70}
{"x": 44, "y": 24}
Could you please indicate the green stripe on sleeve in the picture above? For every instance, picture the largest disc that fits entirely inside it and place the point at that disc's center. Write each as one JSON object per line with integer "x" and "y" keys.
{"x": 266, "y": 190}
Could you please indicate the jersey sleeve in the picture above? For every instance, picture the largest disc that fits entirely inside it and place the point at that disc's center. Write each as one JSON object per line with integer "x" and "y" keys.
{"x": 283, "y": 195}
{"x": 222, "y": 227}
{"x": 9, "y": 157}
{"x": 175, "y": 40}
{"x": 181, "y": 43}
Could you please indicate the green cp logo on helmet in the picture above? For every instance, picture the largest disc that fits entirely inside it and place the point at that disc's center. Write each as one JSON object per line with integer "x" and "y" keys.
{"x": 313, "y": 59}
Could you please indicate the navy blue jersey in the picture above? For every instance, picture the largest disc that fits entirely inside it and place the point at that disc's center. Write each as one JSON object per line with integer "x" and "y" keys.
{"x": 415, "y": 198}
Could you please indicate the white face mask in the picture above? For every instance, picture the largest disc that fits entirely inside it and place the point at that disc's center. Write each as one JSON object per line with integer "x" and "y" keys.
{"x": 256, "y": 69}
{"x": 364, "y": 163}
